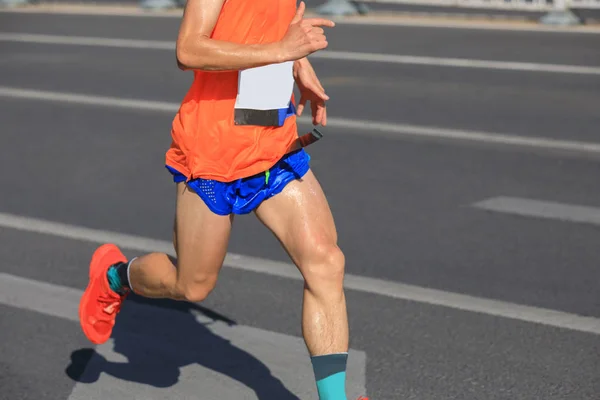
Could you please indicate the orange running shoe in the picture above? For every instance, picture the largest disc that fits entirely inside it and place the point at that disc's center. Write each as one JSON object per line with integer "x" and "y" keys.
{"x": 362, "y": 398}
{"x": 99, "y": 304}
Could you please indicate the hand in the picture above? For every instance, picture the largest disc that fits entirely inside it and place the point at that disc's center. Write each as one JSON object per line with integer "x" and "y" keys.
{"x": 304, "y": 36}
{"x": 310, "y": 90}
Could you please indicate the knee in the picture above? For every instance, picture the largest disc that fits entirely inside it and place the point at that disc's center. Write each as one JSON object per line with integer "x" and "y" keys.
{"x": 196, "y": 290}
{"x": 324, "y": 266}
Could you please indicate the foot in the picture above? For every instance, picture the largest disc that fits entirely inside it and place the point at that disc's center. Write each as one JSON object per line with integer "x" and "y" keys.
{"x": 362, "y": 398}
{"x": 99, "y": 304}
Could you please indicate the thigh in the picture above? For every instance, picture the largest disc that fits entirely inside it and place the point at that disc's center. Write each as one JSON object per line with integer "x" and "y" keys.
{"x": 200, "y": 237}
{"x": 300, "y": 217}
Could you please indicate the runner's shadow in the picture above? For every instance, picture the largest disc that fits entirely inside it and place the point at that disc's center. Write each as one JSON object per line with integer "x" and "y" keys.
{"x": 157, "y": 341}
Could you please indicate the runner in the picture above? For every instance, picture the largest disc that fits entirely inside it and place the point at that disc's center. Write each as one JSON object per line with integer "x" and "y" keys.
{"x": 235, "y": 149}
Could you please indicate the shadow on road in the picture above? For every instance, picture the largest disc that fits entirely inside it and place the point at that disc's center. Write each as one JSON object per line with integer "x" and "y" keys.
{"x": 157, "y": 344}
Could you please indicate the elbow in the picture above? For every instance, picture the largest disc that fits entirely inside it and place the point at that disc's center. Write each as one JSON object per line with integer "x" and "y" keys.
{"x": 190, "y": 58}
{"x": 186, "y": 60}
{"x": 180, "y": 65}
{"x": 183, "y": 59}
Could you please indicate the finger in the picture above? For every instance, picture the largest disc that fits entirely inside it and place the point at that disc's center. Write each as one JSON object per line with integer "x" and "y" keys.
{"x": 317, "y": 88}
{"x": 318, "y": 45}
{"x": 319, "y": 91}
{"x": 316, "y": 37}
{"x": 299, "y": 13}
{"x": 317, "y": 31}
{"x": 301, "y": 105}
{"x": 320, "y": 22}
{"x": 320, "y": 111}
{"x": 323, "y": 95}
{"x": 324, "y": 121}
{"x": 319, "y": 84}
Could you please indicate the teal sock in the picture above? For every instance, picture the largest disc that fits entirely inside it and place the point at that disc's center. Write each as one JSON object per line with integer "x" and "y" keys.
{"x": 118, "y": 278}
{"x": 330, "y": 374}
{"x": 114, "y": 281}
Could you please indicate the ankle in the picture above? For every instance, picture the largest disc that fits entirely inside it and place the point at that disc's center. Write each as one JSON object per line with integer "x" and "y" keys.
{"x": 118, "y": 277}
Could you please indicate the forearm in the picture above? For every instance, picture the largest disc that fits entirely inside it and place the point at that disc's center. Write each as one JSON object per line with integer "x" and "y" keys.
{"x": 215, "y": 55}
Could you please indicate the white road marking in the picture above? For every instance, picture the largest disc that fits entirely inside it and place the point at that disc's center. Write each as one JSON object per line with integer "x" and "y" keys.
{"x": 327, "y": 54}
{"x": 453, "y": 21}
{"x": 156, "y": 353}
{"x": 363, "y": 127}
{"x": 400, "y": 19}
{"x": 457, "y": 62}
{"x": 379, "y": 287}
{"x": 541, "y": 209}
{"x": 87, "y": 41}
{"x": 73, "y": 98}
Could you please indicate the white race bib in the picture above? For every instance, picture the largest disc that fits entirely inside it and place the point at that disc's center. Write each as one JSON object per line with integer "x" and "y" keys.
{"x": 263, "y": 93}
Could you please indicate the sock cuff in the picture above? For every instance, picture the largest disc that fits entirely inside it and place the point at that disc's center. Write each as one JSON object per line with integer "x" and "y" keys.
{"x": 128, "y": 275}
{"x": 329, "y": 364}
{"x": 342, "y": 353}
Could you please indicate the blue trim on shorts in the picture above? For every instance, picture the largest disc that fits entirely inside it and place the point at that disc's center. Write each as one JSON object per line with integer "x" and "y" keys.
{"x": 244, "y": 195}
{"x": 285, "y": 113}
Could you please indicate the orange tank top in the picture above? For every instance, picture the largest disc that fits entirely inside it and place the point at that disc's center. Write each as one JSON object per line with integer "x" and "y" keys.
{"x": 205, "y": 141}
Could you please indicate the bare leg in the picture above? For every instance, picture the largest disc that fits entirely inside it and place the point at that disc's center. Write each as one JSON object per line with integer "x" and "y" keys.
{"x": 200, "y": 240}
{"x": 301, "y": 219}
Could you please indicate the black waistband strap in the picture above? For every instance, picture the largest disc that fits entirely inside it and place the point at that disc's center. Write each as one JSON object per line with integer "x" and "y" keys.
{"x": 305, "y": 140}
{"x": 244, "y": 116}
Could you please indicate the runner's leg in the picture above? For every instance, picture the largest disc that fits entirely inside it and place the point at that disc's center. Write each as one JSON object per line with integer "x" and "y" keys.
{"x": 200, "y": 239}
{"x": 301, "y": 219}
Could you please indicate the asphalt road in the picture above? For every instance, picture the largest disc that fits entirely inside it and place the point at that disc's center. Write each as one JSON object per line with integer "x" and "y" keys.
{"x": 403, "y": 206}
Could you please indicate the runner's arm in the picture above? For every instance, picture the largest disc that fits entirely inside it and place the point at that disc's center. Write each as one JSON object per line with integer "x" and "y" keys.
{"x": 196, "y": 50}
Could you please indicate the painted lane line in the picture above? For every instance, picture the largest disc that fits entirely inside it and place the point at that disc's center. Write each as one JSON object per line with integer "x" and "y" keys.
{"x": 375, "y": 286}
{"x": 541, "y": 209}
{"x": 362, "y": 127}
{"x": 400, "y": 19}
{"x": 326, "y": 54}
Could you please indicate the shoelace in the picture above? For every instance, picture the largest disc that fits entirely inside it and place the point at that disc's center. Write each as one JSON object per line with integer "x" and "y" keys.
{"x": 110, "y": 304}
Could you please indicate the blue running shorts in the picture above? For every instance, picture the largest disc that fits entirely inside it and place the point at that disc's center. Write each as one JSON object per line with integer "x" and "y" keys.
{"x": 244, "y": 195}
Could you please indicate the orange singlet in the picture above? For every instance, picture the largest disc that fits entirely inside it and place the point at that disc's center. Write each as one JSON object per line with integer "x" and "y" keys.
{"x": 205, "y": 141}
